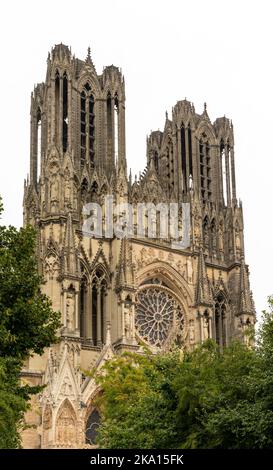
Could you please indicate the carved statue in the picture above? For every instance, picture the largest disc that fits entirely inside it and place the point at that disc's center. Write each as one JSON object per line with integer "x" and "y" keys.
{"x": 67, "y": 191}
{"x": 128, "y": 322}
{"x": 75, "y": 197}
{"x": 221, "y": 240}
{"x": 54, "y": 189}
{"x": 54, "y": 193}
{"x": 206, "y": 327}
{"x": 66, "y": 427}
{"x": 66, "y": 387}
{"x": 191, "y": 331}
{"x": 70, "y": 306}
{"x": 237, "y": 239}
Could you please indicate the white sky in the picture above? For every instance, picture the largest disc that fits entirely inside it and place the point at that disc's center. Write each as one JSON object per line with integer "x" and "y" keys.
{"x": 215, "y": 51}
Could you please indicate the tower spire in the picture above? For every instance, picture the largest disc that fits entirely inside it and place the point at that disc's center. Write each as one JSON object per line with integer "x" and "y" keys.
{"x": 245, "y": 301}
{"x": 203, "y": 289}
{"x": 70, "y": 255}
{"x": 88, "y": 57}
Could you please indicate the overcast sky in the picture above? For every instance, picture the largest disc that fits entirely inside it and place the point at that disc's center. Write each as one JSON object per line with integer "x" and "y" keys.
{"x": 214, "y": 51}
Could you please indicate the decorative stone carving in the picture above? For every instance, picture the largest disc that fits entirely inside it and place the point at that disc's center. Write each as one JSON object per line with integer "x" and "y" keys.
{"x": 54, "y": 193}
{"x": 66, "y": 426}
{"x": 157, "y": 312}
{"x": 206, "y": 334}
{"x": 191, "y": 332}
{"x": 51, "y": 267}
{"x": 67, "y": 189}
{"x": 70, "y": 310}
{"x": 221, "y": 238}
{"x": 47, "y": 418}
{"x": 66, "y": 389}
{"x": 128, "y": 321}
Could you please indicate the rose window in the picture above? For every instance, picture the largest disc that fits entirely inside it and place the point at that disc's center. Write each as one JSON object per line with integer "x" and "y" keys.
{"x": 157, "y": 314}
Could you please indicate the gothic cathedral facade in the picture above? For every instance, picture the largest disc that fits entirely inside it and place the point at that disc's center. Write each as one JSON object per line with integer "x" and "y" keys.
{"x": 114, "y": 293}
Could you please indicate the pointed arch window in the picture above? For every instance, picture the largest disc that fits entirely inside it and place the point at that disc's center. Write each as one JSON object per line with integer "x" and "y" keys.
{"x": 223, "y": 171}
{"x": 83, "y": 127}
{"x": 98, "y": 307}
{"x": 92, "y": 426}
{"x": 91, "y": 128}
{"x": 57, "y": 105}
{"x": 170, "y": 165}
{"x": 109, "y": 127}
{"x": 87, "y": 124}
{"x": 190, "y": 150}
{"x": 183, "y": 156}
{"x": 116, "y": 126}
{"x": 84, "y": 190}
{"x": 206, "y": 237}
{"x": 156, "y": 160}
{"x": 205, "y": 169}
{"x": 213, "y": 243}
{"x": 39, "y": 142}
{"x": 220, "y": 321}
{"x": 65, "y": 112}
{"x": 83, "y": 303}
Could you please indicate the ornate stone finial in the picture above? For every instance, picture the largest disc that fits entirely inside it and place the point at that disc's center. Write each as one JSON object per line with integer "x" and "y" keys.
{"x": 190, "y": 182}
{"x": 108, "y": 340}
{"x": 88, "y": 58}
{"x": 167, "y": 117}
{"x": 205, "y": 107}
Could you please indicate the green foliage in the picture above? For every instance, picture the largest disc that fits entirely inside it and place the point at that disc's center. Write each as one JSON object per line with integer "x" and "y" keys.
{"x": 206, "y": 399}
{"x": 13, "y": 403}
{"x": 138, "y": 402}
{"x": 27, "y": 324}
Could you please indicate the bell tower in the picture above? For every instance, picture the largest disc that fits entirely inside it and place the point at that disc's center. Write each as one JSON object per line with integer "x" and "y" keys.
{"x": 140, "y": 291}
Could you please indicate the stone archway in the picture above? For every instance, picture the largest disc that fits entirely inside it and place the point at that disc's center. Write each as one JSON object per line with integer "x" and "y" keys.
{"x": 66, "y": 426}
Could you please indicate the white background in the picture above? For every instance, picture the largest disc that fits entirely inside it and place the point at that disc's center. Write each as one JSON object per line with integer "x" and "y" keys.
{"x": 214, "y": 51}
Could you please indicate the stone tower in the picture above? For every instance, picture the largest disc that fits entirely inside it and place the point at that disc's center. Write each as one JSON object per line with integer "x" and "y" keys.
{"x": 114, "y": 293}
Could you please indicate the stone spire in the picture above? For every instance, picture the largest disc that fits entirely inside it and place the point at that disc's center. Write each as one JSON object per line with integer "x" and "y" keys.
{"x": 246, "y": 305}
{"x": 203, "y": 289}
{"x": 69, "y": 250}
{"x": 125, "y": 272}
{"x": 88, "y": 60}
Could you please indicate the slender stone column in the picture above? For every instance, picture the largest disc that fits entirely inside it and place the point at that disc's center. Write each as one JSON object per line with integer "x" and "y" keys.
{"x": 99, "y": 316}
{"x": 69, "y": 116}
{"x": 220, "y": 155}
{"x": 201, "y": 327}
{"x": 61, "y": 114}
{"x": 104, "y": 315}
{"x": 227, "y": 174}
{"x": 220, "y": 330}
{"x": 210, "y": 327}
{"x": 234, "y": 199}
{"x": 88, "y": 314}
{"x": 76, "y": 310}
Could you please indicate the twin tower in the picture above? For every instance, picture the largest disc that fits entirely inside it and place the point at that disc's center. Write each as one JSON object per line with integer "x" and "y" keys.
{"x": 117, "y": 294}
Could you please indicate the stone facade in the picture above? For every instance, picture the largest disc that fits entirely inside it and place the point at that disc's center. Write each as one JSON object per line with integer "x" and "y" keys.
{"x": 116, "y": 294}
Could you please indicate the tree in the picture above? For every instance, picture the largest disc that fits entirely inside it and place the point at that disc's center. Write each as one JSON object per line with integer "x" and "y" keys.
{"x": 138, "y": 403}
{"x": 206, "y": 399}
{"x": 211, "y": 385}
{"x": 27, "y": 324}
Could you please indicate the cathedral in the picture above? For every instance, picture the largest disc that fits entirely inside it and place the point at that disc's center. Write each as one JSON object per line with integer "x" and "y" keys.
{"x": 133, "y": 292}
